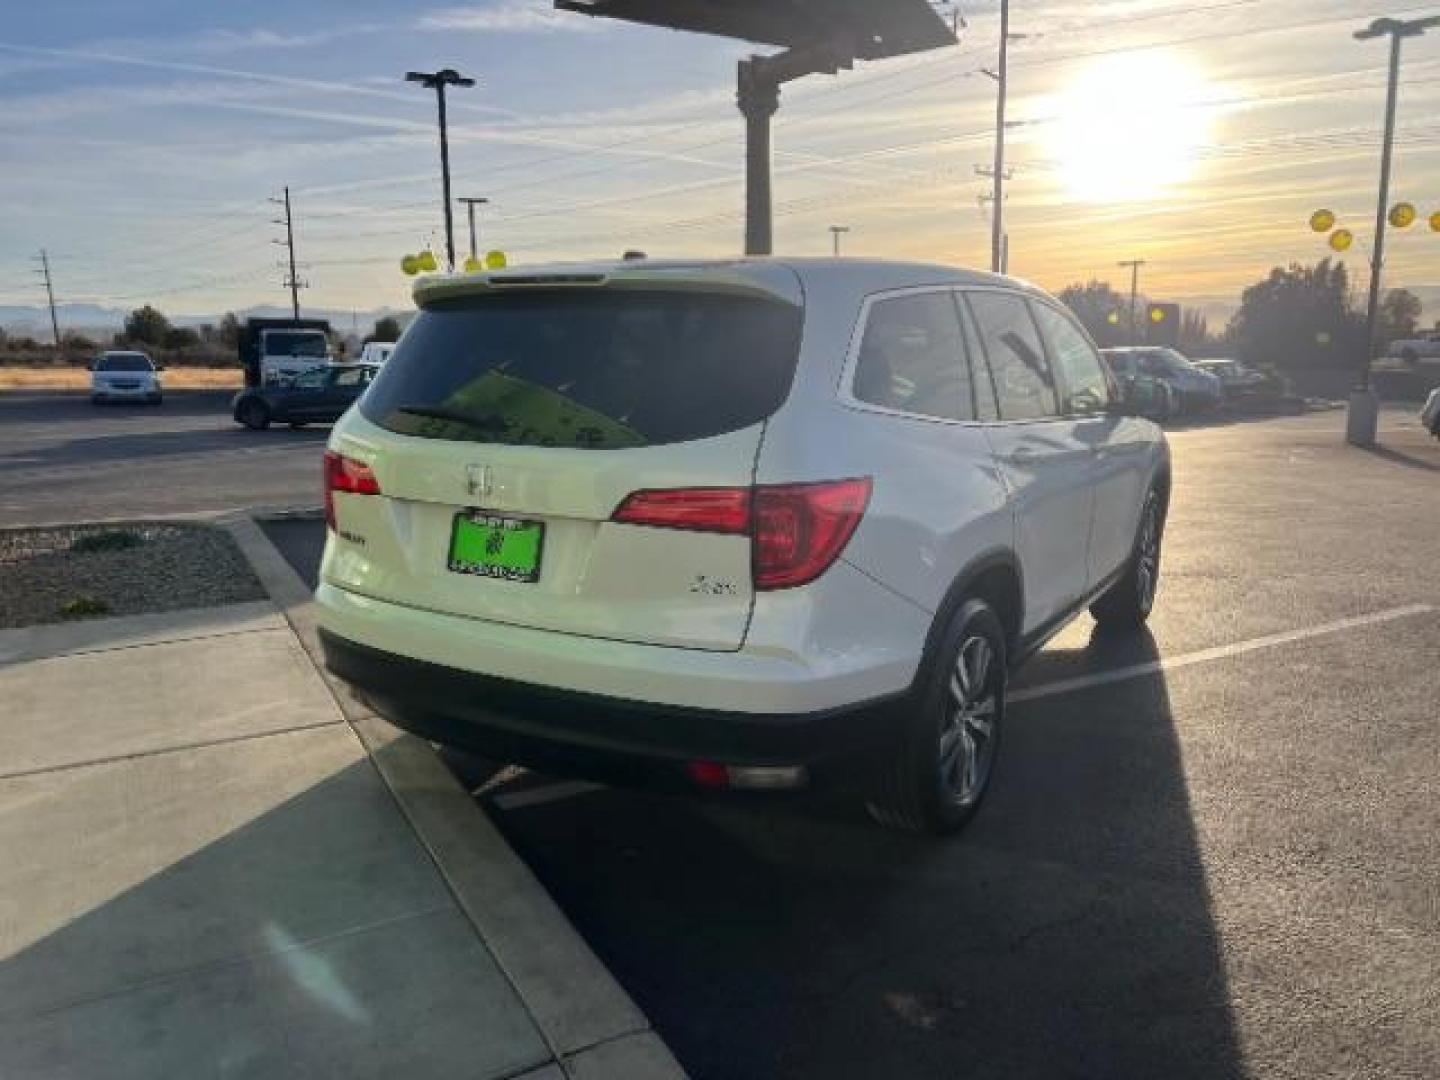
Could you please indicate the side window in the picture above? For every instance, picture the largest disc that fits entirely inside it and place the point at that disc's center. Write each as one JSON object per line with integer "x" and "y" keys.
{"x": 912, "y": 359}
{"x": 1086, "y": 390}
{"x": 1024, "y": 386}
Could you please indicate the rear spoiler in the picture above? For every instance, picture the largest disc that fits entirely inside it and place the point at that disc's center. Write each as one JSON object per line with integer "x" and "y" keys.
{"x": 770, "y": 281}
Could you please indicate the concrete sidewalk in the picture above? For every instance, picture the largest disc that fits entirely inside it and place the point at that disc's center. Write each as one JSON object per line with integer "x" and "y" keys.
{"x": 205, "y": 875}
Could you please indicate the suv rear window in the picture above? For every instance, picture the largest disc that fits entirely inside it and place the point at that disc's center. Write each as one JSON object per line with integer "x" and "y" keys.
{"x": 594, "y": 368}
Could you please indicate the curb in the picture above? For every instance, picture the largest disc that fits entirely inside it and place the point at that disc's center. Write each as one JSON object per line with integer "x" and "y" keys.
{"x": 593, "y": 1028}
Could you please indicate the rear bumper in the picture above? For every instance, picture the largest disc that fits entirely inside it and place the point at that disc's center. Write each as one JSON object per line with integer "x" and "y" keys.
{"x": 609, "y": 738}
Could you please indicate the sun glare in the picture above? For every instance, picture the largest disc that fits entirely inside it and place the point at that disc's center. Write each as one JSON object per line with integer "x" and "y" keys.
{"x": 1129, "y": 128}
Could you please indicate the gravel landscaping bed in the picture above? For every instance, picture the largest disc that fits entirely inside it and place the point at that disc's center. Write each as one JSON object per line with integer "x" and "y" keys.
{"x": 93, "y": 571}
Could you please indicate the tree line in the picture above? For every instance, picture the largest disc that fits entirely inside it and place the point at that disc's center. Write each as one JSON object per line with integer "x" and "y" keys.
{"x": 147, "y": 327}
{"x": 1296, "y": 317}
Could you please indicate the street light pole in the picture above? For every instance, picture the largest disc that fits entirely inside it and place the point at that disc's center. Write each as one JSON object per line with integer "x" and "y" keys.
{"x": 1134, "y": 265}
{"x": 1362, "y": 418}
{"x": 835, "y": 233}
{"x": 470, "y": 203}
{"x": 437, "y": 81}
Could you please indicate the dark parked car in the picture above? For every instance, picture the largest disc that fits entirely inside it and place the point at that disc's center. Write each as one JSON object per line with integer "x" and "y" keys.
{"x": 1193, "y": 390}
{"x": 318, "y": 396}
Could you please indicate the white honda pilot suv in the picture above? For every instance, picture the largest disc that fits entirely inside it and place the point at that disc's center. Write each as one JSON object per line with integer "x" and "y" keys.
{"x": 746, "y": 524}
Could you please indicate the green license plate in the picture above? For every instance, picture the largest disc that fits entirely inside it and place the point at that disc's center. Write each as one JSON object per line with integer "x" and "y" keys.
{"x": 497, "y": 547}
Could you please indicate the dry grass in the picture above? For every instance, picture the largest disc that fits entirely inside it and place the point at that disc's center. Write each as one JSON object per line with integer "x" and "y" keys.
{"x": 71, "y": 378}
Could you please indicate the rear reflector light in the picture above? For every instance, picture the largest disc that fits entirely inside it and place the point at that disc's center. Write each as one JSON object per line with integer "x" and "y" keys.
{"x": 348, "y": 475}
{"x": 708, "y": 774}
{"x": 722, "y": 510}
{"x": 797, "y": 530}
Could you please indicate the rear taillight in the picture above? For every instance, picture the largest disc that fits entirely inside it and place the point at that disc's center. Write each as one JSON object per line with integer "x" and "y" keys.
{"x": 722, "y": 510}
{"x": 800, "y": 529}
{"x": 797, "y": 530}
{"x": 348, "y": 475}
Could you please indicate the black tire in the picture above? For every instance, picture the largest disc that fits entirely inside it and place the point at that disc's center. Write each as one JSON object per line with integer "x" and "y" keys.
{"x": 1127, "y": 604}
{"x": 254, "y": 414}
{"x": 918, "y": 790}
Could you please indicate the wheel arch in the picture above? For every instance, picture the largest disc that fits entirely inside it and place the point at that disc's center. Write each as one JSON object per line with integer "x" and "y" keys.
{"x": 993, "y": 576}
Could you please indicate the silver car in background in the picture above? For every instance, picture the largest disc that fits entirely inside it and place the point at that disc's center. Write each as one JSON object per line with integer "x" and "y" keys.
{"x": 1194, "y": 390}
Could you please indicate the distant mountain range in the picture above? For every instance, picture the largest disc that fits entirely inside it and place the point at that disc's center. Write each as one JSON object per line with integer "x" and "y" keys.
{"x": 94, "y": 320}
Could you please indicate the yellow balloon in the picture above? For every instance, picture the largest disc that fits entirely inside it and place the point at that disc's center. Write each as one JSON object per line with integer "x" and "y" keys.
{"x": 1402, "y": 214}
{"x": 495, "y": 260}
{"x": 1435, "y": 221}
{"x": 427, "y": 261}
{"x": 410, "y": 265}
{"x": 1341, "y": 239}
{"x": 1322, "y": 220}
{"x": 1113, "y": 318}
{"x": 472, "y": 264}
{"x": 1157, "y": 315}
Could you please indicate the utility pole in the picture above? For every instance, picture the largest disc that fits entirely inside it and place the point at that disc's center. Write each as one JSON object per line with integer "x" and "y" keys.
{"x": 470, "y": 203}
{"x": 1134, "y": 265}
{"x": 1362, "y": 418}
{"x": 292, "y": 280}
{"x": 50, "y": 296}
{"x": 986, "y": 197}
{"x": 438, "y": 81}
{"x": 835, "y": 233}
{"x": 998, "y": 176}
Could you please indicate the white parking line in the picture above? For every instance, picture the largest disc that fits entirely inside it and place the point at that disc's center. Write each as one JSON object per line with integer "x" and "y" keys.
{"x": 568, "y": 789}
{"x": 537, "y": 796}
{"x": 1219, "y": 652}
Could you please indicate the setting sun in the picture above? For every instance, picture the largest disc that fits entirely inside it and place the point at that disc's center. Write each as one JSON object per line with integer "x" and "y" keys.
{"x": 1130, "y": 127}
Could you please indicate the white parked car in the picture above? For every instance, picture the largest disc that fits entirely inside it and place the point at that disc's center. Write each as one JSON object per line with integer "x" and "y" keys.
{"x": 125, "y": 376}
{"x": 737, "y": 524}
{"x": 376, "y": 352}
{"x": 1412, "y": 350}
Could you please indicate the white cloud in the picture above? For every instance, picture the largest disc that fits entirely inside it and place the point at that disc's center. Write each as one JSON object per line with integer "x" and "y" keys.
{"x": 506, "y": 16}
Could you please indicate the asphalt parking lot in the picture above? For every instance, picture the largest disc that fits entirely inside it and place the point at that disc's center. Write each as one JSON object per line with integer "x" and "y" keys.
{"x": 63, "y": 459}
{"x": 1210, "y": 851}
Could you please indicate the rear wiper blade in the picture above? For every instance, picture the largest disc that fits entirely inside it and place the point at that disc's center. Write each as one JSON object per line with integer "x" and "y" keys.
{"x": 440, "y": 412}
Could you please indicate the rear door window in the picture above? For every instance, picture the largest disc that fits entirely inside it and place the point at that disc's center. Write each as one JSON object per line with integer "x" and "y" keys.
{"x": 912, "y": 358}
{"x": 593, "y": 368}
{"x": 1086, "y": 390}
{"x": 1024, "y": 384}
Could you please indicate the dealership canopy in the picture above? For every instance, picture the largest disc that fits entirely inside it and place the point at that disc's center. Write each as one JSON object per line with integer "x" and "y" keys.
{"x": 818, "y": 36}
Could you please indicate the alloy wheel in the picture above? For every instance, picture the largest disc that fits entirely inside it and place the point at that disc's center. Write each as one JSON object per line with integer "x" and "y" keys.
{"x": 967, "y": 736}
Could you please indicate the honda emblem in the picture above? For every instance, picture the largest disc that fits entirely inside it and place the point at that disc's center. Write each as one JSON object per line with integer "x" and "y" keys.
{"x": 480, "y": 481}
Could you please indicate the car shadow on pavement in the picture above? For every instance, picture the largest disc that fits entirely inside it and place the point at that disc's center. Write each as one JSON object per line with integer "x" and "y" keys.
{"x": 1067, "y": 932}
{"x": 256, "y": 909}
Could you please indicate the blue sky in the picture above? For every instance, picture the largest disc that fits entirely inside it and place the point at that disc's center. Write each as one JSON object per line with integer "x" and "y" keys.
{"x": 143, "y": 139}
